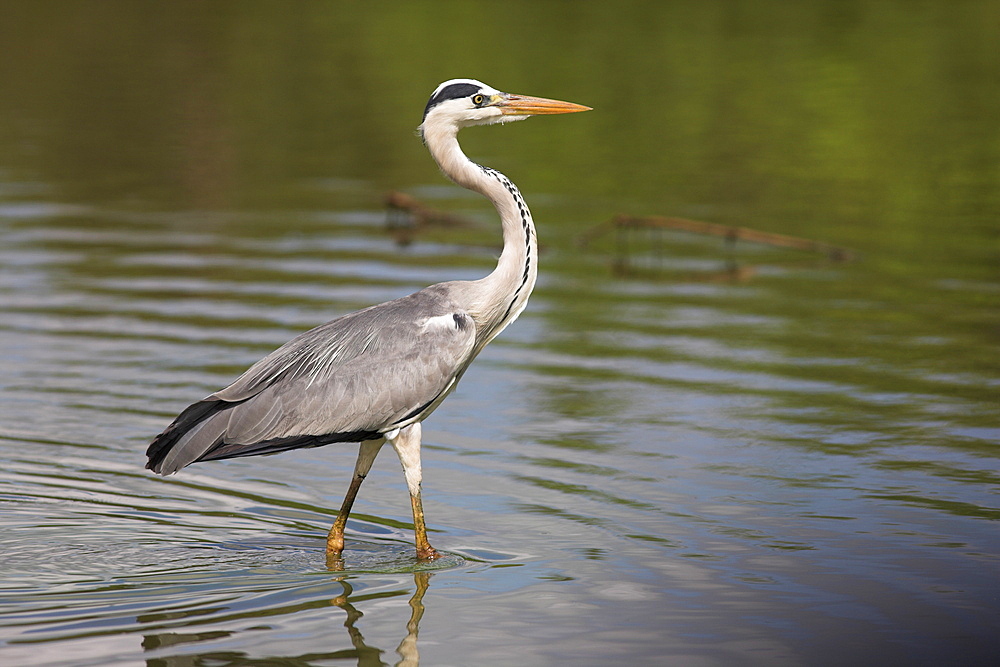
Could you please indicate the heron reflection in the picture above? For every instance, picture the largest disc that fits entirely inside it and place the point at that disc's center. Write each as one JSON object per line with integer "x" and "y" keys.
{"x": 349, "y": 601}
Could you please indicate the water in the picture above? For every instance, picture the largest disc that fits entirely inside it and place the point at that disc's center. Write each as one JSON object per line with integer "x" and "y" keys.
{"x": 714, "y": 455}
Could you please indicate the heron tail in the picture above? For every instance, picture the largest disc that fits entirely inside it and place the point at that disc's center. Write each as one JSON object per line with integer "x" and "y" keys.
{"x": 195, "y": 431}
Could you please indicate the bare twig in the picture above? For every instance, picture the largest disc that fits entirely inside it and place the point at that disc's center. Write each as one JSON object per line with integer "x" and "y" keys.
{"x": 728, "y": 232}
{"x": 422, "y": 215}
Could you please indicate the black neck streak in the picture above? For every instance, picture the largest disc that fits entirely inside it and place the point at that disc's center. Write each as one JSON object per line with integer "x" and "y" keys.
{"x": 522, "y": 210}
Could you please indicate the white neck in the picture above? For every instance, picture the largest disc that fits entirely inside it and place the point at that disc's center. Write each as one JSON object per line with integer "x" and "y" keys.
{"x": 496, "y": 300}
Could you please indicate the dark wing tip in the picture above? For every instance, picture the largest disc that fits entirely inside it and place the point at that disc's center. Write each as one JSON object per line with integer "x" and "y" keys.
{"x": 191, "y": 416}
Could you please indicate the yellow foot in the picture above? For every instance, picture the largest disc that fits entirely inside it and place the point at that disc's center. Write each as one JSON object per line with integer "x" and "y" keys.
{"x": 335, "y": 540}
{"x": 430, "y": 553}
{"x": 334, "y": 549}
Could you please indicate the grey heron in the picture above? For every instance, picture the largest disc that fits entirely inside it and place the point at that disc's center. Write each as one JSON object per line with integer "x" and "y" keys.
{"x": 374, "y": 375}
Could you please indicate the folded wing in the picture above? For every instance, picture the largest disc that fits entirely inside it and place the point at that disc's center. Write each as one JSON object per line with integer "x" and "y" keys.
{"x": 348, "y": 380}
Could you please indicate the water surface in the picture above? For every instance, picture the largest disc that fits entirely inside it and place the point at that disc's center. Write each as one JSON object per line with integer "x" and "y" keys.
{"x": 716, "y": 454}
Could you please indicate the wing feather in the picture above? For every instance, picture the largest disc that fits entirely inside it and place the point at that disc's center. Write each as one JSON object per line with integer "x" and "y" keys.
{"x": 347, "y": 380}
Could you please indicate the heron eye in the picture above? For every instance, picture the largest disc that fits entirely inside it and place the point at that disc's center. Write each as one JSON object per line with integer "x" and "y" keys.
{"x": 478, "y": 99}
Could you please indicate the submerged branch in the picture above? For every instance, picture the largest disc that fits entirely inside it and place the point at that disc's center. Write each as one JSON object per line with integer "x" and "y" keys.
{"x": 728, "y": 232}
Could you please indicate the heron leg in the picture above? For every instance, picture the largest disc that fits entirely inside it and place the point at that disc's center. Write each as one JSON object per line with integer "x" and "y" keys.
{"x": 366, "y": 457}
{"x": 407, "y": 446}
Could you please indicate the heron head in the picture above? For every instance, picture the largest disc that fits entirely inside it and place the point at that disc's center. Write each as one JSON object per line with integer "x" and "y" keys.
{"x": 464, "y": 102}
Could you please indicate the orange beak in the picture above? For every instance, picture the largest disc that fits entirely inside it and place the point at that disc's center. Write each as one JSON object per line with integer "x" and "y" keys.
{"x": 523, "y": 105}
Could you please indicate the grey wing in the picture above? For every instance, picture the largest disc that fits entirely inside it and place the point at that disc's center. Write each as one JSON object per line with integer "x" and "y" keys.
{"x": 348, "y": 380}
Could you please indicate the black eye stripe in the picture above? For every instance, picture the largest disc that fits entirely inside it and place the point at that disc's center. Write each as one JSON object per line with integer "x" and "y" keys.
{"x": 452, "y": 92}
